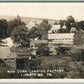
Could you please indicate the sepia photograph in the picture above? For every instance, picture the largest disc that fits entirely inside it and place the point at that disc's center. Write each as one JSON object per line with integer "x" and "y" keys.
{"x": 41, "y": 40}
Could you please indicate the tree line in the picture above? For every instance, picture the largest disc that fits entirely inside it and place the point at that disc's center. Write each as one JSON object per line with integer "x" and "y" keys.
{"x": 70, "y": 23}
{"x": 17, "y": 29}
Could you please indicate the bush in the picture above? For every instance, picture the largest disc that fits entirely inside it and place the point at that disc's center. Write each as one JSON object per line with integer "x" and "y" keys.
{"x": 43, "y": 50}
{"x": 34, "y": 64}
{"x": 77, "y": 54}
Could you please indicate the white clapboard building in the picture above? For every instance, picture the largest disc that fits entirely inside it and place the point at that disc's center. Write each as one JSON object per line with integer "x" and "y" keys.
{"x": 54, "y": 29}
{"x": 61, "y": 38}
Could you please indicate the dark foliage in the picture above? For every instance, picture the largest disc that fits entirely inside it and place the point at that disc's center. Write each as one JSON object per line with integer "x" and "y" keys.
{"x": 20, "y": 35}
{"x": 3, "y": 28}
{"x": 43, "y": 50}
{"x": 14, "y": 23}
{"x": 39, "y": 30}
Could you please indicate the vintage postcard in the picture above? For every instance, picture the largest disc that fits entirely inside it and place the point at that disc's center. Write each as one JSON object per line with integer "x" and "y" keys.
{"x": 41, "y": 40}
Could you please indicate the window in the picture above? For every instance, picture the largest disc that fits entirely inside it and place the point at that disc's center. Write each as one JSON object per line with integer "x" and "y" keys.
{"x": 31, "y": 46}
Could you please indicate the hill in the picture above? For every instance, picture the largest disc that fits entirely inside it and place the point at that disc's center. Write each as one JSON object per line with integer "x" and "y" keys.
{"x": 27, "y": 19}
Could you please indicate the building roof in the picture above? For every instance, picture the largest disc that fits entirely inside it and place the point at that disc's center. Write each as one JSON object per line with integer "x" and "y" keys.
{"x": 39, "y": 41}
{"x": 30, "y": 25}
{"x": 60, "y": 36}
{"x": 64, "y": 27}
{"x": 73, "y": 29}
{"x": 5, "y": 53}
{"x": 8, "y": 42}
{"x": 54, "y": 27}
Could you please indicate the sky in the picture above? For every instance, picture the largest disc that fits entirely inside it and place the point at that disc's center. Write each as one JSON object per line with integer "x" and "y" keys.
{"x": 55, "y": 11}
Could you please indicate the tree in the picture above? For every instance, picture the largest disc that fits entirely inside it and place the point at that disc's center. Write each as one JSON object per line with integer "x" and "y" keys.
{"x": 68, "y": 26}
{"x": 70, "y": 19}
{"x": 14, "y": 23}
{"x": 45, "y": 26}
{"x": 35, "y": 32}
{"x": 43, "y": 50}
{"x": 62, "y": 50}
{"x": 81, "y": 25}
{"x": 61, "y": 23}
{"x": 63, "y": 30}
{"x": 39, "y": 30}
{"x": 75, "y": 24}
{"x": 3, "y": 27}
{"x": 20, "y": 35}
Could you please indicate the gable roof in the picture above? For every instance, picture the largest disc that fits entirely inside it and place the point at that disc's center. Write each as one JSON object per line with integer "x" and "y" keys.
{"x": 5, "y": 53}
